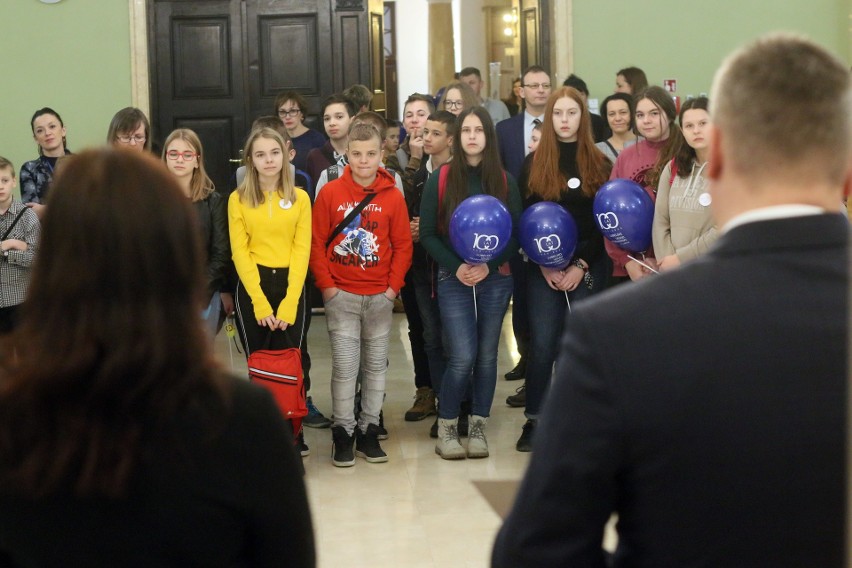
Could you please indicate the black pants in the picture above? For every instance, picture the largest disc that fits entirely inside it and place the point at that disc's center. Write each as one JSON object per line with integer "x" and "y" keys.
{"x": 422, "y": 376}
{"x": 273, "y": 282}
{"x": 8, "y": 318}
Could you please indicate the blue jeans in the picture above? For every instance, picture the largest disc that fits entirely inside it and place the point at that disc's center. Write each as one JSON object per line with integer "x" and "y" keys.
{"x": 546, "y": 313}
{"x": 472, "y": 332}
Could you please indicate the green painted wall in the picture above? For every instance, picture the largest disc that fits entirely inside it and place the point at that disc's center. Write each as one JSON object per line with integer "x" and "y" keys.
{"x": 73, "y": 57}
{"x": 685, "y": 40}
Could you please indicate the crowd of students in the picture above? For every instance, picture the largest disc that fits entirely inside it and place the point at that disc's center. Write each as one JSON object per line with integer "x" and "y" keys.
{"x": 364, "y": 217}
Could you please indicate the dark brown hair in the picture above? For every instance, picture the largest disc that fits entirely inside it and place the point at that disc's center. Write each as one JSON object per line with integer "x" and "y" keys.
{"x": 492, "y": 174}
{"x": 110, "y": 347}
{"x": 635, "y": 77}
{"x": 664, "y": 103}
{"x": 126, "y": 121}
{"x": 48, "y": 110}
{"x": 292, "y": 96}
{"x": 685, "y": 154}
{"x": 546, "y": 179}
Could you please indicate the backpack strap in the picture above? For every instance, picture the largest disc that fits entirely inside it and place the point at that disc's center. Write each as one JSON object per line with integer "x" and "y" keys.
{"x": 333, "y": 172}
{"x": 348, "y": 218}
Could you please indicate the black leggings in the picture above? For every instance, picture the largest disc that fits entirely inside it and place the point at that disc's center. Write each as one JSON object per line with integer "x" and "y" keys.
{"x": 273, "y": 282}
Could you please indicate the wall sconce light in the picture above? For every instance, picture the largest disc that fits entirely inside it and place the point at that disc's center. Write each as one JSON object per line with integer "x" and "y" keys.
{"x": 510, "y": 19}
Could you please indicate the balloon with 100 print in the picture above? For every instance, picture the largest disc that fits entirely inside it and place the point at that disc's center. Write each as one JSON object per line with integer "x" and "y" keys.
{"x": 480, "y": 228}
{"x": 624, "y": 213}
{"x": 548, "y": 234}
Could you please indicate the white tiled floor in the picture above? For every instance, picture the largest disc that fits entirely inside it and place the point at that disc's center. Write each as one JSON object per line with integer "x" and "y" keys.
{"x": 417, "y": 510}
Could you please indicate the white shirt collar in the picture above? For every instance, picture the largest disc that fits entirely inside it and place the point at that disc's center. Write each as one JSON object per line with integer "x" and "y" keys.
{"x": 772, "y": 212}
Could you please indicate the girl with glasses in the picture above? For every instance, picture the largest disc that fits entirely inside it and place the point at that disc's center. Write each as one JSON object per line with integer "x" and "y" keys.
{"x": 458, "y": 97}
{"x": 183, "y": 156}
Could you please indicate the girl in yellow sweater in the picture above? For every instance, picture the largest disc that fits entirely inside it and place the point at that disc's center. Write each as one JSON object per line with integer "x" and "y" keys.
{"x": 269, "y": 219}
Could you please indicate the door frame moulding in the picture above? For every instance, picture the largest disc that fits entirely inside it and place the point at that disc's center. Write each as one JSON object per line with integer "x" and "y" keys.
{"x": 139, "y": 78}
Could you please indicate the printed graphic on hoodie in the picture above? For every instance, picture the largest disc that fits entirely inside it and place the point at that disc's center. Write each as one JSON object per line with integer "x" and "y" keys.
{"x": 359, "y": 246}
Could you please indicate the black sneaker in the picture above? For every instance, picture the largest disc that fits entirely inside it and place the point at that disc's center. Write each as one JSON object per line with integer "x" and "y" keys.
{"x": 433, "y": 431}
{"x": 525, "y": 441}
{"x": 367, "y": 445}
{"x": 304, "y": 450}
{"x": 519, "y": 372}
{"x": 341, "y": 448}
{"x": 519, "y": 399}
{"x": 382, "y": 433}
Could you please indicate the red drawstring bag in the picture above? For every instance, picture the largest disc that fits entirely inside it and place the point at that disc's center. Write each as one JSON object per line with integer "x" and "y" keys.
{"x": 280, "y": 372}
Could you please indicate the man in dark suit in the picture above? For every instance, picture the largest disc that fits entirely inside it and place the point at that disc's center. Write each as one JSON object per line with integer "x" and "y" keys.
{"x": 706, "y": 407}
{"x": 513, "y": 138}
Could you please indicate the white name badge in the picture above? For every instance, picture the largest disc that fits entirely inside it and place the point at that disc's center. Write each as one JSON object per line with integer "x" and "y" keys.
{"x": 284, "y": 204}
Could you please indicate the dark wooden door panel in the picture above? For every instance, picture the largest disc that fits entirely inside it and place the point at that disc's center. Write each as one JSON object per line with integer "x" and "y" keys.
{"x": 216, "y": 134}
{"x": 288, "y": 49}
{"x": 198, "y": 78}
{"x": 216, "y": 65}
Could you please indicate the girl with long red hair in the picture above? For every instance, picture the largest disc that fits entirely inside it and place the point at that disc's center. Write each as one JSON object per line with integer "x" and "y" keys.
{"x": 566, "y": 169}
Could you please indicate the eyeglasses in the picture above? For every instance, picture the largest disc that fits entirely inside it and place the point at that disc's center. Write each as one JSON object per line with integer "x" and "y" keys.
{"x": 187, "y": 156}
{"x": 291, "y": 112}
{"x": 453, "y": 104}
{"x": 138, "y": 139}
{"x": 536, "y": 86}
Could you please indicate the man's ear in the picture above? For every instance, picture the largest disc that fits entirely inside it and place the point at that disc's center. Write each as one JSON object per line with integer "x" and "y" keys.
{"x": 450, "y": 142}
{"x": 715, "y": 157}
{"x": 292, "y": 154}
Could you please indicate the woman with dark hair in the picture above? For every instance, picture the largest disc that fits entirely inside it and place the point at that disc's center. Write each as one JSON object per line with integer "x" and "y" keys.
{"x": 471, "y": 318}
{"x": 291, "y": 106}
{"x": 617, "y": 109}
{"x": 566, "y": 169}
{"x": 683, "y": 226}
{"x": 184, "y": 158}
{"x": 630, "y": 80}
{"x": 130, "y": 128}
{"x": 642, "y": 163}
{"x": 49, "y": 133}
{"x": 120, "y": 436}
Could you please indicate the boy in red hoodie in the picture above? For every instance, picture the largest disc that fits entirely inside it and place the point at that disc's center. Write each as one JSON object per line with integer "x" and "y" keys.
{"x": 359, "y": 271}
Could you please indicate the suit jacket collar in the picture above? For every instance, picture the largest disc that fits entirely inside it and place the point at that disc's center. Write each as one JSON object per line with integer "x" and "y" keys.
{"x": 827, "y": 230}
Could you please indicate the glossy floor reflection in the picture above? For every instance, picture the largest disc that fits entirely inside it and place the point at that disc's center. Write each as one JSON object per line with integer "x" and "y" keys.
{"x": 416, "y": 510}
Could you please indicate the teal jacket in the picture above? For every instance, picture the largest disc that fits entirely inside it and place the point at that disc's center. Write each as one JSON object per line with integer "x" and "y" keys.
{"x": 438, "y": 245}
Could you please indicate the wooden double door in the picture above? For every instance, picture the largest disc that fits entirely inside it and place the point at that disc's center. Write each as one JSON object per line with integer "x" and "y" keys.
{"x": 216, "y": 65}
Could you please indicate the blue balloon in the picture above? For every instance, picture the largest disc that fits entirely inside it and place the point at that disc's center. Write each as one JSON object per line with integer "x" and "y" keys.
{"x": 624, "y": 212}
{"x": 480, "y": 228}
{"x": 548, "y": 234}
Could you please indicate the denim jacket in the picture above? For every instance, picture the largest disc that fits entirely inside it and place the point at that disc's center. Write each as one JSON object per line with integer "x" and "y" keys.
{"x": 35, "y": 180}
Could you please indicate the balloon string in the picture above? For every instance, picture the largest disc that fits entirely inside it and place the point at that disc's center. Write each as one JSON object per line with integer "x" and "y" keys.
{"x": 567, "y": 301}
{"x": 475, "y": 310}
